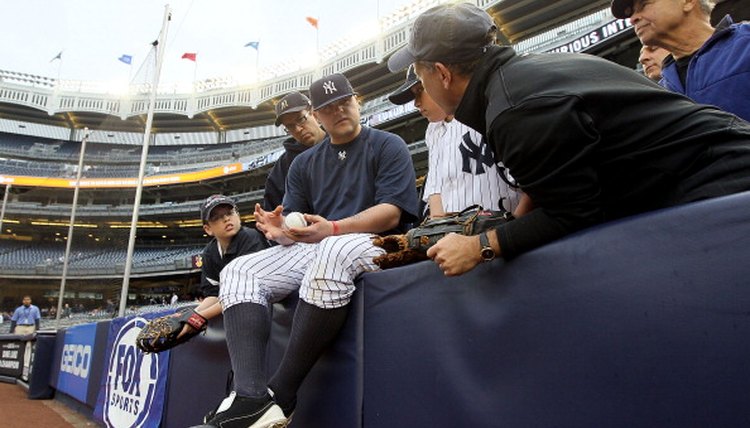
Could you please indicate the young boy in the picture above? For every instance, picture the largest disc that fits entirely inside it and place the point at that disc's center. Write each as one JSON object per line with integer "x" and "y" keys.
{"x": 221, "y": 220}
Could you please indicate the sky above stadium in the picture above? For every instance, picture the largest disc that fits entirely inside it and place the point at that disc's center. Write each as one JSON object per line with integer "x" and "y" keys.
{"x": 94, "y": 34}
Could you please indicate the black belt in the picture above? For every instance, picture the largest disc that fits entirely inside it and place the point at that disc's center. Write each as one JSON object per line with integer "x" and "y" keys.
{"x": 26, "y": 324}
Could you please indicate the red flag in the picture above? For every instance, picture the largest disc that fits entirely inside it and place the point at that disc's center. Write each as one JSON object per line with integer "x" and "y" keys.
{"x": 190, "y": 56}
{"x": 312, "y": 21}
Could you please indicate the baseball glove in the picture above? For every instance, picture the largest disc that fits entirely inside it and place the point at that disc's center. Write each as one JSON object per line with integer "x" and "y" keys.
{"x": 412, "y": 247}
{"x": 161, "y": 333}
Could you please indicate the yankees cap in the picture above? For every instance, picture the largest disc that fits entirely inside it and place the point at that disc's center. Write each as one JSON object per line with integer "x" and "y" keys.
{"x": 212, "y": 202}
{"x": 448, "y": 33}
{"x": 622, "y": 8}
{"x": 403, "y": 94}
{"x": 290, "y": 103}
{"x": 330, "y": 88}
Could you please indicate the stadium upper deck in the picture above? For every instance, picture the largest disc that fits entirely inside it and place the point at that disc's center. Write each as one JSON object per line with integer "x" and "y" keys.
{"x": 219, "y": 106}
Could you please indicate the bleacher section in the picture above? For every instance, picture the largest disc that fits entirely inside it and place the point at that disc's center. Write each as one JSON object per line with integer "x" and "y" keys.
{"x": 19, "y": 258}
{"x": 24, "y": 147}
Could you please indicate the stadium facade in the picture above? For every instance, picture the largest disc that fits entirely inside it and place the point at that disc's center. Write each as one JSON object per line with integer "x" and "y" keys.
{"x": 218, "y": 138}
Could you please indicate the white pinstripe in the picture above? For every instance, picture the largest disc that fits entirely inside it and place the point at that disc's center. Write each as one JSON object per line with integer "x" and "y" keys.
{"x": 324, "y": 273}
{"x": 459, "y": 189}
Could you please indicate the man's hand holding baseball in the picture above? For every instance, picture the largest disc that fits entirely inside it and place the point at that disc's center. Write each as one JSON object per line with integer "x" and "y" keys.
{"x": 317, "y": 229}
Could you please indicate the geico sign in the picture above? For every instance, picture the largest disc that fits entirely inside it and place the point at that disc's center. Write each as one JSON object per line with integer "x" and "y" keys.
{"x": 76, "y": 360}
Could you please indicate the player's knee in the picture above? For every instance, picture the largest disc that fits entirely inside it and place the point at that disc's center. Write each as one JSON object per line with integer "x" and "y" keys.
{"x": 325, "y": 298}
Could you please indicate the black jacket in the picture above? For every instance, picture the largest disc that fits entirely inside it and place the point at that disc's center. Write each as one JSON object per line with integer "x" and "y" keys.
{"x": 276, "y": 180}
{"x": 246, "y": 241}
{"x": 591, "y": 141}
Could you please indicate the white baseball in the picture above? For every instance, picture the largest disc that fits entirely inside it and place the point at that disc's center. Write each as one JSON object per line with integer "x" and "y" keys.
{"x": 294, "y": 219}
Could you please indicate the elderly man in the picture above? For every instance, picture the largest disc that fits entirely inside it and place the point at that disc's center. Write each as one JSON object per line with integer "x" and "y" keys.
{"x": 710, "y": 65}
{"x": 588, "y": 140}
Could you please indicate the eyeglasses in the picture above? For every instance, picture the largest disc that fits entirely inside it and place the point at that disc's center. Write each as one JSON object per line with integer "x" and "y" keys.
{"x": 219, "y": 214}
{"x": 337, "y": 105}
{"x": 298, "y": 123}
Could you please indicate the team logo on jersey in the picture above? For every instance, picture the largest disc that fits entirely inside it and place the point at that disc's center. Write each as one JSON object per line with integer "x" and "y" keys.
{"x": 342, "y": 155}
{"x": 479, "y": 152}
{"x": 131, "y": 379}
{"x": 329, "y": 87}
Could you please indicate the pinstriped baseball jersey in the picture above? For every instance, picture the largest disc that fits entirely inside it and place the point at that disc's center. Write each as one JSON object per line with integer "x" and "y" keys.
{"x": 462, "y": 169}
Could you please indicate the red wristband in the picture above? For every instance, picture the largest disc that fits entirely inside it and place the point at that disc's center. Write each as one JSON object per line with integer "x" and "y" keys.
{"x": 335, "y": 227}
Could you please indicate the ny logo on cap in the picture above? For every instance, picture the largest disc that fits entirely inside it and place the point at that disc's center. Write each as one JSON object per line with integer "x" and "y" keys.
{"x": 329, "y": 87}
{"x": 284, "y": 105}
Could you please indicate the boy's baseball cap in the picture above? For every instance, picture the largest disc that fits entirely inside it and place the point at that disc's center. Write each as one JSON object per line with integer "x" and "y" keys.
{"x": 448, "y": 33}
{"x": 212, "y": 202}
{"x": 403, "y": 94}
{"x": 330, "y": 88}
{"x": 622, "y": 8}
{"x": 290, "y": 103}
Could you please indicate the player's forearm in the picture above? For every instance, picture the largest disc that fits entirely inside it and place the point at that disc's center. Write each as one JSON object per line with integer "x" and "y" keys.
{"x": 435, "y": 202}
{"x": 209, "y": 308}
{"x": 380, "y": 218}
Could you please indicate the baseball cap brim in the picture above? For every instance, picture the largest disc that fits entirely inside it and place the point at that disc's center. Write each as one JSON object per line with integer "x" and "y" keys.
{"x": 350, "y": 94}
{"x": 403, "y": 94}
{"x": 208, "y": 213}
{"x": 400, "y": 60}
{"x": 290, "y": 110}
{"x": 622, "y": 8}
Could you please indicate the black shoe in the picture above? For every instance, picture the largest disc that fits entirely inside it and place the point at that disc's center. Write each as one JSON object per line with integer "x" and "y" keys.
{"x": 287, "y": 408}
{"x": 245, "y": 412}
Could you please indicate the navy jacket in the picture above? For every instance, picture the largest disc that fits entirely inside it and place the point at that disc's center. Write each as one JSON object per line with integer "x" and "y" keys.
{"x": 719, "y": 72}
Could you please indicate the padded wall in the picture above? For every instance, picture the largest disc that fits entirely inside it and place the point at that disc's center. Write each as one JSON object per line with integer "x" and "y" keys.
{"x": 643, "y": 322}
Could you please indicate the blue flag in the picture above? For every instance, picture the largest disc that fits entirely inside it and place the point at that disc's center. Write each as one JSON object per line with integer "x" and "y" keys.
{"x": 58, "y": 56}
{"x": 253, "y": 45}
{"x": 127, "y": 59}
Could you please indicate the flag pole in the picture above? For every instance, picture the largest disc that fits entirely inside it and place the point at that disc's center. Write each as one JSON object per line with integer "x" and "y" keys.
{"x": 160, "y": 47}
{"x": 69, "y": 243}
{"x": 5, "y": 202}
{"x": 257, "y": 59}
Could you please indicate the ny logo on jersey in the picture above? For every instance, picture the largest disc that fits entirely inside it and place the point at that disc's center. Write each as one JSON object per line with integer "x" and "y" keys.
{"x": 342, "y": 155}
{"x": 480, "y": 152}
{"x": 329, "y": 87}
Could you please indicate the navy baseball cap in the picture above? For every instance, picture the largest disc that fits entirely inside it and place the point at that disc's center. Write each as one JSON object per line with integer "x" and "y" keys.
{"x": 622, "y": 8}
{"x": 290, "y": 103}
{"x": 212, "y": 202}
{"x": 448, "y": 33}
{"x": 330, "y": 88}
{"x": 403, "y": 94}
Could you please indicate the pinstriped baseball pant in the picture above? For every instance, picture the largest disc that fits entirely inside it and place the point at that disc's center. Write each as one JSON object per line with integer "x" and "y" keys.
{"x": 324, "y": 272}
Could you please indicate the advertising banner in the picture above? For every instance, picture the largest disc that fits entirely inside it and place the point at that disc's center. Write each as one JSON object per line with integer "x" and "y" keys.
{"x": 75, "y": 361}
{"x": 11, "y": 357}
{"x": 133, "y": 386}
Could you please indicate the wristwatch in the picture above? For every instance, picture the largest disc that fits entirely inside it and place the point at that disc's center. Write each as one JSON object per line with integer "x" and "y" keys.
{"x": 486, "y": 252}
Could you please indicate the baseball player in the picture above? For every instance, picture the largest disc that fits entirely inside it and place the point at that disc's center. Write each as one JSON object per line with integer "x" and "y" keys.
{"x": 359, "y": 182}
{"x": 221, "y": 220}
{"x": 461, "y": 169}
{"x": 294, "y": 113}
